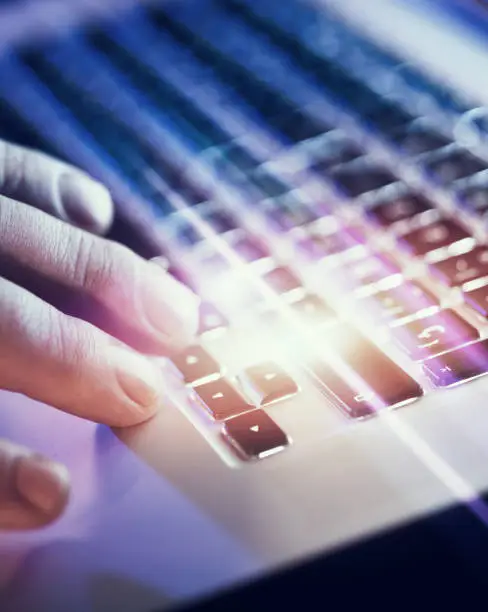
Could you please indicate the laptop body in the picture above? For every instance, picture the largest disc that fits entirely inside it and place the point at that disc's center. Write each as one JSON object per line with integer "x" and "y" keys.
{"x": 330, "y": 450}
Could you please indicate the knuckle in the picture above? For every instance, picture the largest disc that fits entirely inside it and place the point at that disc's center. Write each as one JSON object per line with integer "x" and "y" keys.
{"x": 66, "y": 339}
{"x": 13, "y": 161}
{"x": 101, "y": 266}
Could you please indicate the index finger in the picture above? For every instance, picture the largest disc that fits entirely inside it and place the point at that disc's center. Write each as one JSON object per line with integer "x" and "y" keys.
{"x": 121, "y": 292}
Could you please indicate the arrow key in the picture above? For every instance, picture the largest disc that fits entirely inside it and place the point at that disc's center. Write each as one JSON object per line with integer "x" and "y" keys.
{"x": 255, "y": 435}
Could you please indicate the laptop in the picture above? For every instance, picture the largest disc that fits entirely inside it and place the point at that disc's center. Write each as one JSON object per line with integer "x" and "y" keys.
{"x": 317, "y": 171}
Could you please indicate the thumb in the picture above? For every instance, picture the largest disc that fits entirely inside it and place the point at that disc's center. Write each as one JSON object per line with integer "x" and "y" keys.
{"x": 33, "y": 489}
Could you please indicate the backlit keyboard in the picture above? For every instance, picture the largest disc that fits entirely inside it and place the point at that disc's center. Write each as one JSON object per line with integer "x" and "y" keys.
{"x": 303, "y": 181}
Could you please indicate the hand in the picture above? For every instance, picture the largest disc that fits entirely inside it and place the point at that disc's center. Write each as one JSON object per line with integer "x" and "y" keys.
{"x": 74, "y": 356}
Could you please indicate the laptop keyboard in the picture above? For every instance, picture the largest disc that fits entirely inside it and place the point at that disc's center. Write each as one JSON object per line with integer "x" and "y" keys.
{"x": 307, "y": 185}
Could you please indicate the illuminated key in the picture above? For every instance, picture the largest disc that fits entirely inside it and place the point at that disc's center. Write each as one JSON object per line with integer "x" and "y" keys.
{"x": 345, "y": 242}
{"x": 437, "y": 235}
{"x": 401, "y": 208}
{"x": 221, "y": 399}
{"x": 282, "y": 280}
{"x": 334, "y": 150}
{"x": 255, "y": 435}
{"x": 455, "y": 165}
{"x": 210, "y": 319}
{"x": 434, "y": 334}
{"x": 267, "y": 383}
{"x": 478, "y": 299}
{"x": 372, "y": 269}
{"x": 196, "y": 365}
{"x": 249, "y": 248}
{"x": 402, "y": 301}
{"x": 421, "y": 140}
{"x": 458, "y": 270}
{"x": 357, "y": 179}
{"x": 313, "y": 311}
{"x": 360, "y": 376}
{"x": 458, "y": 366}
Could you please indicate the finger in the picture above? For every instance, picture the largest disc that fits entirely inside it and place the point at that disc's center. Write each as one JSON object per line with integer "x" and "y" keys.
{"x": 54, "y": 187}
{"x": 119, "y": 291}
{"x": 72, "y": 365}
{"x": 34, "y": 491}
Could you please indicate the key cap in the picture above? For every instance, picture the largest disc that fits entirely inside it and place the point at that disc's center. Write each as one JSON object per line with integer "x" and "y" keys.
{"x": 398, "y": 209}
{"x": 402, "y": 301}
{"x": 437, "y": 235}
{"x": 210, "y": 319}
{"x": 369, "y": 381}
{"x": 270, "y": 186}
{"x": 334, "y": 150}
{"x": 221, "y": 399}
{"x": 318, "y": 245}
{"x": 267, "y": 383}
{"x": 475, "y": 198}
{"x": 299, "y": 127}
{"x": 249, "y": 248}
{"x": 460, "y": 365}
{"x": 371, "y": 269}
{"x": 196, "y": 365}
{"x": 478, "y": 299}
{"x": 255, "y": 435}
{"x": 434, "y": 334}
{"x": 458, "y": 270}
{"x": 360, "y": 179}
{"x": 288, "y": 213}
{"x": 313, "y": 311}
{"x": 455, "y": 165}
{"x": 415, "y": 141}
{"x": 282, "y": 280}
{"x": 219, "y": 220}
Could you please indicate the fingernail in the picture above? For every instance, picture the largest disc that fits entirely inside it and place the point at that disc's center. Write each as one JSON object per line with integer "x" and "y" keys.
{"x": 170, "y": 306}
{"x": 139, "y": 379}
{"x": 87, "y": 203}
{"x": 43, "y": 483}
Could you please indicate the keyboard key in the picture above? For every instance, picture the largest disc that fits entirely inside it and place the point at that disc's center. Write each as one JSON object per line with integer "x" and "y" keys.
{"x": 455, "y": 165}
{"x": 282, "y": 280}
{"x": 210, "y": 319}
{"x": 440, "y": 234}
{"x": 221, "y": 400}
{"x": 196, "y": 365}
{"x": 299, "y": 127}
{"x": 434, "y": 334}
{"x": 368, "y": 379}
{"x": 416, "y": 141}
{"x": 267, "y": 383}
{"x": 360, "y": 179}
{"x": 475, "y": 198}
{"x": 249, "y": 248}
{"x": 458, "y": 366}
{"x": 371, "y": 269}
{"x": 458, "y": 270}
{"x": 400, "y": 208}
{"x": 219, "y": 220}
{"x": 334, "y": 150}
{"x": 478, "y": 299}
{"x": 268, "y": 185}
{"x": 402, "y": 301}
{"x": 255, "y": 435}
{"x": 318, "y": 244}
{"x": 287, "y": 213}
{"x": 313, "y": 311}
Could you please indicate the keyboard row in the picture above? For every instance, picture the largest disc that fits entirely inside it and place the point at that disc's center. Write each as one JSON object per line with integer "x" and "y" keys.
{"x": 353, "y": 373}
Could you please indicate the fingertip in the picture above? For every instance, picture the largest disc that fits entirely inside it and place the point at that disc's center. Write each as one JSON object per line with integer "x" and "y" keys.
{"x": 86, "y": 203}
{"x": 170, "y": 306}
{"x": 43, "y": 484}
